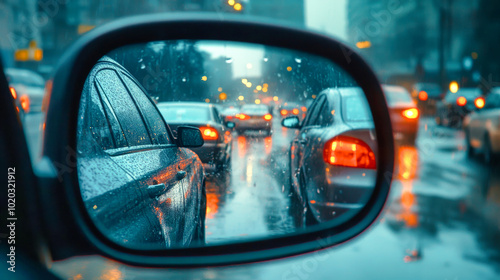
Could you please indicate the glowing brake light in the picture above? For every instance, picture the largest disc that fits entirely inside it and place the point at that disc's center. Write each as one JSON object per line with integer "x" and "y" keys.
{"x": 350, "y": 152}
{"x": 13, "y": 92}
{"x": 268, "y": 117}
{"x": 304, "y": 109}
{"x": 25, "y": 103}
{"x": 209, "y": 133}
{"x": 461, "y": 101}
{"x": 422, "y": 95}
{"x": 410, "y": 113}
{"x": 283, "y": 112}
{"x": 243, "y": 117}
{"x": 479, "y": 102}
{"x": 295, "y": 111}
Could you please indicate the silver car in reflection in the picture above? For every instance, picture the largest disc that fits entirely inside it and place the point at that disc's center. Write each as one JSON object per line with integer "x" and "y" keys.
{"x": 140, "y": 189}
{"x": 333, "y": 156}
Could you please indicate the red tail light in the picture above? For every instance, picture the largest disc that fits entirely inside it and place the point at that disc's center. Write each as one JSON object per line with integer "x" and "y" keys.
{"x": 283, "y": 112}
{"x": 243, "y": 117}
{"x": 268, "y": 117}
{"x": 350, "y": 152}
{"x": 295, "y": 111}
{"x": 304, "y": 109}
{"x": 422, "y": 95}
{"x": 479, "y": 102}
{"x": 229, "y": 117}
{"x": 461, "y": 101}
{"x": 25, "y": 103}
{"x": 410, "y": 113}
{"x": 13, "y": 92}
{"x": 209, "y": 133}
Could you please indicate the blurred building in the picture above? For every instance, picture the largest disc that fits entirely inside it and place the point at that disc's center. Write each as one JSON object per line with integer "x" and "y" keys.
{"x": 403, "y": 37}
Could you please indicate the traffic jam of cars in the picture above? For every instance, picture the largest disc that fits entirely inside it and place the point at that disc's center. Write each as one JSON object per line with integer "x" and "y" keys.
{"x": 177, "y": 170}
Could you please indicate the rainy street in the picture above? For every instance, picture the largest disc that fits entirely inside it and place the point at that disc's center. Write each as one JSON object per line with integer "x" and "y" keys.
{"x": 442, "y": 213}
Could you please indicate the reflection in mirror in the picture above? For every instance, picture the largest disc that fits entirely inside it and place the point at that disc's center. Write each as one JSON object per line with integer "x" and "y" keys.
{"x": 252, "y": 177}
{"x": 291, "y": 122}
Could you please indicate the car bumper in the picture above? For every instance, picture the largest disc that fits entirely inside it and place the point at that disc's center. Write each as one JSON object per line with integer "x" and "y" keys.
{"x": 254, "y": 125}
{"x": 211, "y": 152}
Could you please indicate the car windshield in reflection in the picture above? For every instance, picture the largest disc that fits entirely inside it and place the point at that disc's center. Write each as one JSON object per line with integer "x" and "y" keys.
{"x": 146, "y": 185}
{"x": 184, "y": 113}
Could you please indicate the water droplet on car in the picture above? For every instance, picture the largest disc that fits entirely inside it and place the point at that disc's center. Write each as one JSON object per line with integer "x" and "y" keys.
{"x": 298, "y": 60}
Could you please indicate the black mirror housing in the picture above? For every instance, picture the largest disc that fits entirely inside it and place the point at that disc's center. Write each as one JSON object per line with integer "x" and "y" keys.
{"x": 189, "y": 137}
{"x": 61, "y": 199}
{"x": 292, "y": 122}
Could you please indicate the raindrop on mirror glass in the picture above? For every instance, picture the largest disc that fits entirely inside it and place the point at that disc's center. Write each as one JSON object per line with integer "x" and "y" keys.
{"x": 265, "y": 59}
{"x": 298, "y": 60}
{"x": 184, "y": 79}
{"x": 229, "y": 59}
{"x": 143, "y": 66}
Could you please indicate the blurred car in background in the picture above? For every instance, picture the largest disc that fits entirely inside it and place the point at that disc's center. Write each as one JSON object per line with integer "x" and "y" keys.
{"x": 404, "y": 113}
{"x": 426, "y": 95}
{"x": 21, "y": 103}
{"x": 254, "y": 117}
{"x": 336, "y": 142}
{"x": 230, "y": 114}
{"x": 482, "y": 128}
{"x": 453, "y": 108}
{"x": 292, "y": 109}
{"x": 30, "y": 88}
{"x": 120, "y": 133}
{"x": 217, "y": 148}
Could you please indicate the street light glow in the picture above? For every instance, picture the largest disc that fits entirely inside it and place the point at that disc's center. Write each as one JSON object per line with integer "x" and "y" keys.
{"x": 245, "y": 81}
{"x": 249, "y": 85}
{"x": 364, "y": 44}
{"x": 454, "y": 87}
{"x": 238, "y": 7}
{"x": 275, "y": 98}
{"x": 289, "y": 68}
{"x": 204, "y": 78}
{"x": 259, "y": 87}
{"x": 230, "y": 2}
{"x": 257, "y": 101}
{"x": 241, "y": 98}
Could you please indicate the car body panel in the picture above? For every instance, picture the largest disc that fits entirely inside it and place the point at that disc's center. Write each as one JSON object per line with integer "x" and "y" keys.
{"x": 118, "y": 167}
{"x": 327, "y": 189}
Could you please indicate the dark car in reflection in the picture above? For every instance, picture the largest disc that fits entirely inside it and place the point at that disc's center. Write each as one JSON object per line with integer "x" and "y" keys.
{"x": 139, "y": 187}
{"x": 218, "y": 140}
{"x": 254, "y": 117}
{"x": 453, "y": 108}
{"x": 404, "y": 114}
{"x": 333, "y": 157}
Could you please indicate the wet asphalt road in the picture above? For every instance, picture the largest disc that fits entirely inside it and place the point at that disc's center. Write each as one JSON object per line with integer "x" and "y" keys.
{"x": 441, "y": 222}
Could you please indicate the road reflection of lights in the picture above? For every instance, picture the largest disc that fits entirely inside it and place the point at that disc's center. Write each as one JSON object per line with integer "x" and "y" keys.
{"x": 212, "y": 204}
{"x": 268, "y": 141}
{"x": 249, "y": 170}
{"x": 407, "y": 162}
{"x": 408, "y": 200}
{"x": 111, "y": 274}
{"x": 242, "y": 146}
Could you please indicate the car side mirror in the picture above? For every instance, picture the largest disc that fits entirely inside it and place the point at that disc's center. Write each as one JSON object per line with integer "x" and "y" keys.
{"x": 189, "y": 137}
{"x": 230, "y": 124}
{"x": 292, "y": 122}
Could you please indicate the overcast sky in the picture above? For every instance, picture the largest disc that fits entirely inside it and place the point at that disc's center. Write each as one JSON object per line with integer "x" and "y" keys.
{"x": 328, "y": 16}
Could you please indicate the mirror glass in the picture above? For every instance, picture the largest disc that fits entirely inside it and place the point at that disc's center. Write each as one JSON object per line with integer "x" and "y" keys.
{"x": 251, "y": 180}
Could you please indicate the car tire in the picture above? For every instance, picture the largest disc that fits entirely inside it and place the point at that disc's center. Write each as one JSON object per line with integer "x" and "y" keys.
{"x": 199, "y": 234}
{"x": 309, "y": 219}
